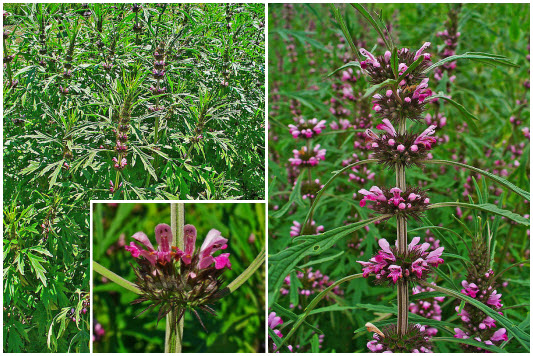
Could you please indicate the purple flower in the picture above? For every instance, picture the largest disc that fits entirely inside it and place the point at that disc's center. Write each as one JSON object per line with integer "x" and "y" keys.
{"x": 500, "y": 335}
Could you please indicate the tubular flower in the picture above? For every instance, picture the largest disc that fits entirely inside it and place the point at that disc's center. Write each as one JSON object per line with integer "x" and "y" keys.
{"x": 308, "y": 159}
{"x": 306, "y": 128}
{"x": 389, "y": 265}
{"x": 172, "y": 279}
{"x": 411, "y": 202}
{"x": 415, "y": 340}
{"x": 296, "y": 229}
{"x": 310, "y": 283}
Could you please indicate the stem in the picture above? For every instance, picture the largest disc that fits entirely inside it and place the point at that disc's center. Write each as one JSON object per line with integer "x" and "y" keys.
{"x": 113, "y": 277}
{"x": 401, "y": 234}
{"x": 174, "y": 330}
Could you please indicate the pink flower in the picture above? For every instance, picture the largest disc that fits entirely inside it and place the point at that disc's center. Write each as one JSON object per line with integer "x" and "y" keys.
{"x": 500, "y": 335}
{"x": 463, "y": 314}
{"x": 488, "y": 322}
{"x": 222, "y": 261}
{"x": 190, "y": 243}
{"x": 418, "y": 267}
{"x": 396, "y": 273}
{"x": 134, "y": 249}
{"x": 425, "y": 137}
{"x": 374, "y": 346}
{"x": 212, "y": 243}
{"x": 494, "y": 299}
{"x": 460, "y": 334}
{"x": 163, "y": 236}
{"x": 434, "y": 257}
{"x": 422, "y": 49}
{"x": 370, "y": 57}
{"x": 469, "y": 289}
{"x": 396, "y": 199}
{"x": 387, "y": 126}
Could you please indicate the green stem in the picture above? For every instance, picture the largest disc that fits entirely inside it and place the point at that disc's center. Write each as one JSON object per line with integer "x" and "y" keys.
{"x": 401, "y": 234}
{"x": 244, "y": 276}
{"x": 174, "y": 330}
{"x": 113, "y": 277}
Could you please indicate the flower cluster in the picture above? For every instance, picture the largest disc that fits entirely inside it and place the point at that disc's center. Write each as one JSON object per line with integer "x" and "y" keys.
{"x": 450, "y": 36}
{"x": 158, "y": 73}
{"x": 306, "y": 128}
{"x": 409, "y": 99}
{"x": 171, "y": 278}
{"x": 411, "y": 202}
{"x": 415, "y": 340}
{"x": 391, "y": 148}
{"x": 98, "y": 331}
{"x": 304, "y": 158}
{"x": 428, "y": 308}
{"x": 311, "y": 283}
{"x": 389, "y": 265}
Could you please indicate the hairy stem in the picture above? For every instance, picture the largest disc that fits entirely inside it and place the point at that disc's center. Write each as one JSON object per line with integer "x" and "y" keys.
{"x": 401, "y": 234}
{"x": 174, "y": 330}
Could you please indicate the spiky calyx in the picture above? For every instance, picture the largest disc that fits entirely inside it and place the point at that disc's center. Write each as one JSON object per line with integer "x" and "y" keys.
{"x": 415, "y": 340}
{"x": 400, "y": 149}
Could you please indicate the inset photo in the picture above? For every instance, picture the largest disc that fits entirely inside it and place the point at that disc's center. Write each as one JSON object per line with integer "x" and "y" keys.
{"x": 178, "y": 277}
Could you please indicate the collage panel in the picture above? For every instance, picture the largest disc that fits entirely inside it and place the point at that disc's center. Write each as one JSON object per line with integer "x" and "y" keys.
{"x": 178, "y": 277}
{"x": 399, "y": 178}
{"x": 120, "y": 102}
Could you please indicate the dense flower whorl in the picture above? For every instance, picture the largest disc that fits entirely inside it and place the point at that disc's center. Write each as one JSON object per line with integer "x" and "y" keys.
{"x": 389, "y": 265}
{"x": 306, "y": 128}
{"x": 309, "y": 189}
{"x": 169, "y": 277}
{"x": 304, "y": 158}
{"x": 409, "y": 203}
{"x": 415, "y": 340}
{"x": 408, "y": 149}
{"x": 379, "y": 68}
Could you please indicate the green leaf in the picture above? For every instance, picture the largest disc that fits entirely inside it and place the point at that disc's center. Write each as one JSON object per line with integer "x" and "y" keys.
{"x": 475, "y": 56}
{"x": 520, "y": 335}
{"x": 524, "y": 194}
{"x": 344, "y": 29}
{"x": 466, "y": 114}
{"x": 481, "y": 345}
{"x": 39, "y": 270}
{"x": 376, "y": 87}
{"x": 295, "y": 196}
{"x": 315, "y": 301}
{"x": 281, "y": 311}
{"x": 412, "y": 67}
{"x": 284, "y": 261}
{"x": 490, "y": 208}
{"x": 374, "y": 24}
{"x": 353, "y": 64}
{"x": 321, "y": 260}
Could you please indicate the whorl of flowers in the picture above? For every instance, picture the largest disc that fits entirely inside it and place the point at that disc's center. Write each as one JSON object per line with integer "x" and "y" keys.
{"x": 480, "y": 284}
{"x": 389, "y": 265}
{"x": 409, "y": 99}
{"x": 409, "y": 203}
{"x": 408, "y": 149}
{"x": 310, "y": 283}
{"x": 170, "y": 278}
{"x": 415, "y": 340}
{"x": 306, "y": 128}
{"x": 304, "y": 158}
{"x": 428, "y": 308}
{"x": 379, "y": 68}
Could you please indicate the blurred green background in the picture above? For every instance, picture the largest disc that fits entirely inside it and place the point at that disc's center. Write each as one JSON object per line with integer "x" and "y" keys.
{"x": 240, "y": 323}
